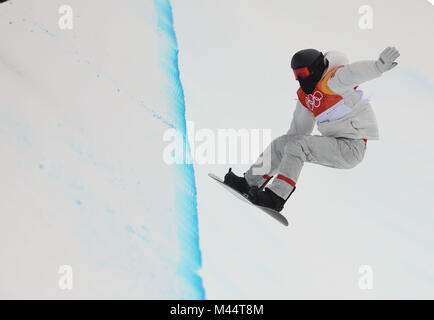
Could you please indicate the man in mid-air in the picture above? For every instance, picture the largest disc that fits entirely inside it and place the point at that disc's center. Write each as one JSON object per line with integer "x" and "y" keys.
{"x": 328, "y": 95}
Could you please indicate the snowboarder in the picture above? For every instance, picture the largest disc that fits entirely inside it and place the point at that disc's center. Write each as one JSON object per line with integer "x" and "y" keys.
{"x": 329, "y": 96}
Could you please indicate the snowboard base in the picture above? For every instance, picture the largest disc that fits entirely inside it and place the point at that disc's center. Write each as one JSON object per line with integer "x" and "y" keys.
{"x": 272, "y": 213}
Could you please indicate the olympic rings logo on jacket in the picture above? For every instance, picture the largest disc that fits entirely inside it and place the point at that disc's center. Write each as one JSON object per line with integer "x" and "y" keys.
{"x": 314, "y": 100}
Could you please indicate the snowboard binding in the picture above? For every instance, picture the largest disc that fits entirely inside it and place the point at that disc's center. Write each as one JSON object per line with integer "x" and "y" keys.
{"x": 258, "y": 195}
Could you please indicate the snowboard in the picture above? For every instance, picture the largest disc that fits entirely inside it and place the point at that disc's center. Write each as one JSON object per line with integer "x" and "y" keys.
{"x": 272, "y": 213}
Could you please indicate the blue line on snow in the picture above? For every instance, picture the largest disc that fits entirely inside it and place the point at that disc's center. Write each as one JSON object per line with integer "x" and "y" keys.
{"x": 186, "y": 201}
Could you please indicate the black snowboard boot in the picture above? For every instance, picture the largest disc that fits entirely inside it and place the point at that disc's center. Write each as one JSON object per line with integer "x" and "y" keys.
{"x": 238, "y": 183}
{"x": 266, "y": 198}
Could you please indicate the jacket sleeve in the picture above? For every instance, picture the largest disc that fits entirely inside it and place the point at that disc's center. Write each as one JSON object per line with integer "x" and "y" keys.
{"x": 303, "y": 121}
{"x": 352, "y": 75}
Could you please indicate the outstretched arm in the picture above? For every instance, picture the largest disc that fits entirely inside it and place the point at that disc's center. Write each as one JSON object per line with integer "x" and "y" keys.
{"x": 356, "y": 73}
{"x": 303, "y": 121}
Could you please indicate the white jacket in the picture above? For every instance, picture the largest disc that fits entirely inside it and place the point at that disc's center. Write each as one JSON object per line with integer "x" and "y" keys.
{"x": 360, "y": 122}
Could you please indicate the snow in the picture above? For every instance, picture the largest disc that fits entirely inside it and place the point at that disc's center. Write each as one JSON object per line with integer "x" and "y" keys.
{"x": 82, "y": 117}
{"x": 83, "y": 113}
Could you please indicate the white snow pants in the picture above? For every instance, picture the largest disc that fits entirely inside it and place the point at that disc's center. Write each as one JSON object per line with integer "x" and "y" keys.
{"x": 285, "y": 156}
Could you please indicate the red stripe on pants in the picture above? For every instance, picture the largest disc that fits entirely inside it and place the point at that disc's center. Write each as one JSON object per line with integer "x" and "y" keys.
{"x": 286, "y": 179}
